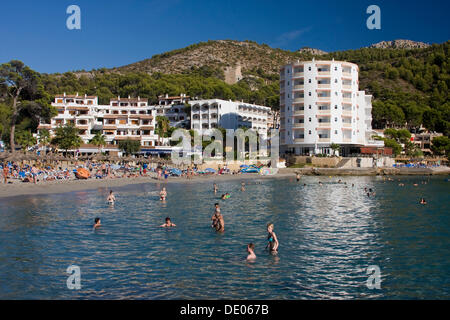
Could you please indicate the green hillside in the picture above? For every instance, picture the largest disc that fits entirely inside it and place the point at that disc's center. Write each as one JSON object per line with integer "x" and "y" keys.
{"x": 410, "y": 86}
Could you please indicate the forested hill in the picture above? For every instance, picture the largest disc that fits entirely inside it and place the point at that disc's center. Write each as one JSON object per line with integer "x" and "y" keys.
{"x": 410, "y": 86}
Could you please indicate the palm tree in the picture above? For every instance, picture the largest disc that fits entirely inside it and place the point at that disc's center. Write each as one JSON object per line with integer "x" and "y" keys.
{"x": 98, "y": 140}
{"x": 335, "y": 147}
{"x": 162, "y": 127}
{"x": 44, "y": 138}
{"x": 25, "y": 139}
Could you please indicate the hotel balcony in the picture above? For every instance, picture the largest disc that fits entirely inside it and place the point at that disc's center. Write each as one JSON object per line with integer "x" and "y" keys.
{"x": 298, "y": 75}
{"x": 299, "y": 112}
{"x": 299, "y": 125}
{"x": 324, "y": 111}
{"x": 347, "y": 140}
{"x": 324, "y": 124}
{"x": 347, "y": 112}
{"x": 299, "y": 100}
{"x": 347, "y": 124}
{"x": 299, "y": 87}
{"x": 299, "y": 140}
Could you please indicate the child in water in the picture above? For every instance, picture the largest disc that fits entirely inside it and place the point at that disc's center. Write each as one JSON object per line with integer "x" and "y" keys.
{"x": 422, "y": 201}
{"x": 163, "y": 194}
{"x": 251, "y": 251}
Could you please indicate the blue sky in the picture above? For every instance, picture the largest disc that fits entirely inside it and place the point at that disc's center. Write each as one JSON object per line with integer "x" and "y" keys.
{"x": 115, "y": 33}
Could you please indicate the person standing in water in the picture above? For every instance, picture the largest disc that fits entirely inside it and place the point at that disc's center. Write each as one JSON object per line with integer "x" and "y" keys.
{"x": 111, "y": 198}
{"x": 163, "y": 194}
{"x": 215, "y": 188}
{"x": 298, "y": 177}
{"x": 242, "y": 186}
{"x": 214, "y": 218}
{"x": 218, "y": 222}
{"x": 272, "y": 238}
{"x": 251, "y": 251}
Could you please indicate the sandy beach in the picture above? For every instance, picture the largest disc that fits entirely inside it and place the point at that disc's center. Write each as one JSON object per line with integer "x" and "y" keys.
{"x": 62, "y": 186}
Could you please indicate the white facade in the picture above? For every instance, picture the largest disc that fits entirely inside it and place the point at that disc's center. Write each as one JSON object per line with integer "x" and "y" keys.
{"x": 123, "y": 118}
{"x": 215, "y": 113}
{"x": 320, "y": 104}
{"x": 174, "y": 109}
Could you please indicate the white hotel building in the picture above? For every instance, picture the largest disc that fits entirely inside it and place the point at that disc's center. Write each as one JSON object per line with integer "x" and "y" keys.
{"x": 123, "y": 118}
{"x": 215, "y": 113}
{"x": 320, "y": 104}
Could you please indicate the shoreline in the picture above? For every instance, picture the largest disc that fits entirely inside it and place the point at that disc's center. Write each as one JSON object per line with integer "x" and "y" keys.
{"x": 61, "y": 186}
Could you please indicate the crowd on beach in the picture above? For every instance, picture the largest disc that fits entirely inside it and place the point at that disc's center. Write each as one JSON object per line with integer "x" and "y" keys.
{"x": 40, "y": 173}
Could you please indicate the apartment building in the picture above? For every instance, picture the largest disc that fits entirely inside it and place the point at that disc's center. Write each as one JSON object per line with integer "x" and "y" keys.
{"x": 174, "y": 108}
{"x": 321, "y": 104}
{"x": 123, "y": 118}
{"x": 215, "y": 113}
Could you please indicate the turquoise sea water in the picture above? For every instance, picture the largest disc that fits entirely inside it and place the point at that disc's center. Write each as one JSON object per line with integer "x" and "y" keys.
{"x": 328, "y": 237}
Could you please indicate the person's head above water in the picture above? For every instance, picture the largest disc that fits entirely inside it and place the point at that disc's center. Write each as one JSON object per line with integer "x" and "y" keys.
{"x": 97, "y": 220}
{"x": 110, "y": 192}
{"x": 167, "y": 220}
{"x": 270, "y": 227}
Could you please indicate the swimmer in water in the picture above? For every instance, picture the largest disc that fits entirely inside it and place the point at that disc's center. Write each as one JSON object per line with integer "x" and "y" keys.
{"x": 251, "y": 251}
{"x": 97, "y": 223}
{"x": 111, "y": 198}
{"x": 242, "y": 186}
{"x": 168, "y": 223}
{"x": 298, "y": 177}
{"x": 422, "y": 201}
{"x": 163, "y": 194}
{"x": 215, "y": 188}
{"x": 272, "y": 238}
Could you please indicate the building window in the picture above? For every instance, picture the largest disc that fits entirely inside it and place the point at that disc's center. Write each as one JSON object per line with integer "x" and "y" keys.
{"x": 309, "y": 93}
{"x": 335, "y": 107}
{"x": 309, "y": 119}
{"x": 288, "y": 82}
{"x": 309, "y": 68}
{"x": 335, "y": 68}
{"x": 309, "y": 80}
{"x": 335, "y": 119}
{"x": 335, "y": 131}
{"x": 335, "y": 80}
{"x": 309, "y": 131}
{"x": 310, "y": 107}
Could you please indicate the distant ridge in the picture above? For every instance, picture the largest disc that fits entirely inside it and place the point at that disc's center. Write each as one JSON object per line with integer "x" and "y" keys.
{"x": 312, "y": 51}
{"x": 400, "y": 44}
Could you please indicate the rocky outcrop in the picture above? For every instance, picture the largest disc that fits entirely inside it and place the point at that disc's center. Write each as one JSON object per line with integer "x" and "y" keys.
{"x": 315, "y": 52}
{"x": 400, "y": 44}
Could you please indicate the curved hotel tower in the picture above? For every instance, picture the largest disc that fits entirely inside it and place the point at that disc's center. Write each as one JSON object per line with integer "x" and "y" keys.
{"x": 320, "y": 104}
